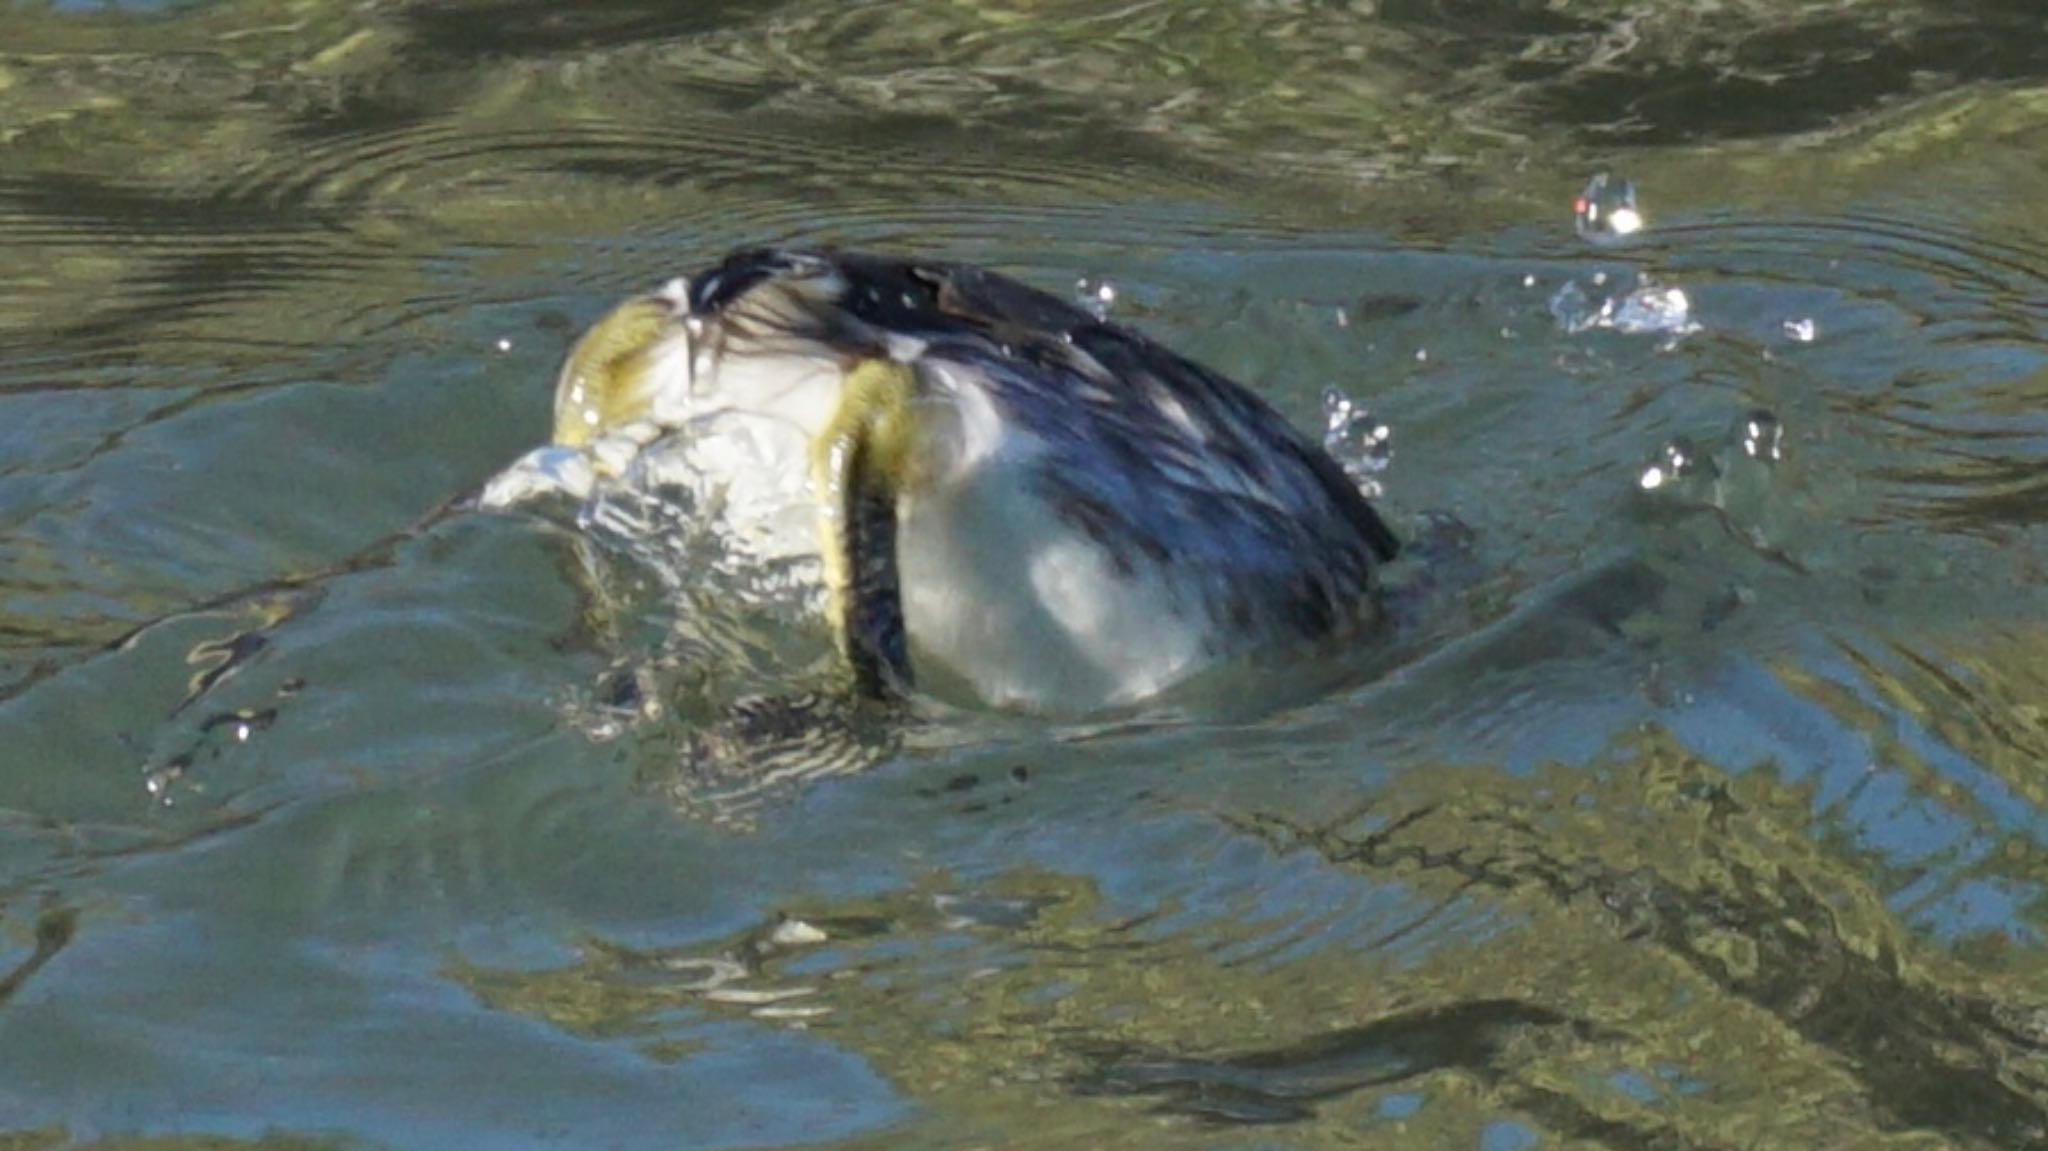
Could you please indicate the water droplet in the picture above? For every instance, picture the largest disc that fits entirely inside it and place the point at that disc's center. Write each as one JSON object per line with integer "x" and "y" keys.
{"x": 1802, "y": 330}
{"x": 1736, "y": 476}
{"x": 1606, "y": 211}
{"x": 158, "y": 783}
{"x": 1678, "y": 470}
{"x": 1096, "y": 295}
{"x": 1751, "y": 492}
{"x": 1762, "y": 437}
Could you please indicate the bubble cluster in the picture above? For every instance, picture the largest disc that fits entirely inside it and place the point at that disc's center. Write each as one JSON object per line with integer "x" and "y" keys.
{"x": 1362, "y": 445}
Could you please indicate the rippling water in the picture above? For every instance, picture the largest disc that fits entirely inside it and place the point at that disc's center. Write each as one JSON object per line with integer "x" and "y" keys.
{"x": 1698, "y": 804}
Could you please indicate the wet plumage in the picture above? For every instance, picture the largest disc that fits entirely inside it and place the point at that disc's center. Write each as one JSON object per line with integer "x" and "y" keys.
{"x": 1050, "y": 507}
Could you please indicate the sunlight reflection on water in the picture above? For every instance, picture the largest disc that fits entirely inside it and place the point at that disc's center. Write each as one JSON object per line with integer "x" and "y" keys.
{"x": 1707, "y": 815}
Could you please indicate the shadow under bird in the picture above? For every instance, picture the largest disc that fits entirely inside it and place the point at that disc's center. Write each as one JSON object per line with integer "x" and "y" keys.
{"x": 997, "y": 486}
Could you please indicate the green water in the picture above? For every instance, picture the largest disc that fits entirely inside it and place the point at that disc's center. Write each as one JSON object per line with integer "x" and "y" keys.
{"x": 1710, "y": 816}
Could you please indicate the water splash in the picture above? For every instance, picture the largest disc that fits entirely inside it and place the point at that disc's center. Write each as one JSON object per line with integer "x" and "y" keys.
{"x": 1362, "y": 445}
{"x": 1646, "y": 308}
{"x": 1727, "y": 474}
{"x": 546, "y": 472}
{"x": 1736, "y": 477}
{"x": 1606, "y": 213}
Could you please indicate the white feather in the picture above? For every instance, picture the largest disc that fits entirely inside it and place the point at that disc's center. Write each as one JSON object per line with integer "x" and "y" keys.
{"x": 1009, "y": 597}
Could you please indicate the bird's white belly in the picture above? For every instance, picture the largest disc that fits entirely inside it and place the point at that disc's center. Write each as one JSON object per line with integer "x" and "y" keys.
{"x": 1031, "y": 613}
{"x": 1019, "y": 605}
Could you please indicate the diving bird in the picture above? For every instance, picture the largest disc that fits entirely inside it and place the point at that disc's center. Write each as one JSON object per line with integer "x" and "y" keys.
{"x": 998, "y": 487}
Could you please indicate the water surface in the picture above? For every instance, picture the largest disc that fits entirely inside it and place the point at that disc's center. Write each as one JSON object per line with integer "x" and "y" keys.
{"x": 1707, "y": 814}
